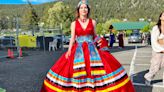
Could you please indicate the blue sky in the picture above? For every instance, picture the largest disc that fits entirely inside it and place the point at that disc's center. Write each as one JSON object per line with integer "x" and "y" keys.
{"x": 23, "y": 1}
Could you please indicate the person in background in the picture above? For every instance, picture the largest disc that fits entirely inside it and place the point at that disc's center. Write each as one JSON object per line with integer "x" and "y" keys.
{"x": 157, "y": 43}
{"x": 121, "y": 39}
{"x": 111, "y": 36}
{"x": 143, "y": 38}
{"x": 149, "y": 38}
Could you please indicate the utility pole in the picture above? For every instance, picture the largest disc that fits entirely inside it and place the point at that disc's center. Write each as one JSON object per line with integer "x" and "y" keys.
{"x": 41, "y": 29}
{"x": 17, "y": 34}
{"x": 62, "y": 37}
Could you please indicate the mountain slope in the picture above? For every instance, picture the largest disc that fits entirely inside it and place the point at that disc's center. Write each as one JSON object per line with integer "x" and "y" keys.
{"x": 102, "y": 9}
{"x": 130, "y": 9}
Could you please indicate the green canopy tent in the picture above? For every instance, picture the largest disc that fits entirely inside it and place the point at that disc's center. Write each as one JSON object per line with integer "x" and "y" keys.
{"x": 129, "y": 25}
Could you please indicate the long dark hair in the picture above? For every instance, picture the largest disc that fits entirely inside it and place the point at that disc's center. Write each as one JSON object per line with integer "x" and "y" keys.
{"x": 77, "y": 11}
{"x": 159, "y": 22}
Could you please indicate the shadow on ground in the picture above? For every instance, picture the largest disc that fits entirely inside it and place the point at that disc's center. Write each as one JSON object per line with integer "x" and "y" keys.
{"x": 139, "y": 78}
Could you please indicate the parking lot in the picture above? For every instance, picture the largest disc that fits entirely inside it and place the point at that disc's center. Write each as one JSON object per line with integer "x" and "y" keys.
{"x": 27, "y": 74}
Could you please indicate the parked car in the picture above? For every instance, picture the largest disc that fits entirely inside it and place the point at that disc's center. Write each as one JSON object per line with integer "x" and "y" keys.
{"x": 135, "y": 38}
{"x": 7, "y": 41}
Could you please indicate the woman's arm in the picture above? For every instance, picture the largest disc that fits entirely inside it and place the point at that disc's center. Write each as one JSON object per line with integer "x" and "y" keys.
{"x": 161, "y": 42}
{"x": 154, "y": 40}
{"x": 161, "y": 39}
{"x": 72, "y": 40}
{"x": 97, "y": 40}
{"x": 94, "y": 25}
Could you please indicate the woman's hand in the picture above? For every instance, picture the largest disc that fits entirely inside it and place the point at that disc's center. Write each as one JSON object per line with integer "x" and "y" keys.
{"x": 161, "y": 41}
{"x": 99, "y": 42}
{"x": 162, "y": 51}
{"x": 68, "y": 53}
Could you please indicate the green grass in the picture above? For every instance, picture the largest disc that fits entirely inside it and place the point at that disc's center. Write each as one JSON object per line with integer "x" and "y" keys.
{"x": 2, "y": 90}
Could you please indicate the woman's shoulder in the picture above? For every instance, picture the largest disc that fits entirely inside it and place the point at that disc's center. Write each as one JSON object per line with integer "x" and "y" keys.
{"x": 155, "y": 27}
{"x": 155, "y": 30}
{"x": 93, "y": 21}
{"x": 73, "y": 23}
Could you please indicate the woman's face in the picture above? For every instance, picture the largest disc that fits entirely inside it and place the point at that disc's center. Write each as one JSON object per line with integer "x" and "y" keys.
{"x": 162, "y": 17}
{"x": 83, "y": 10}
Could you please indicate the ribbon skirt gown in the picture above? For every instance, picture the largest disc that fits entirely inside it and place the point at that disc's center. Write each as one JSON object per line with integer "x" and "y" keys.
{"x": 88, "y": 69}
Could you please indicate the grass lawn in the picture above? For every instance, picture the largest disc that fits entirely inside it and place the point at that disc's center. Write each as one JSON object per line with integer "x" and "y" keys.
{"x": 2, "y": 90}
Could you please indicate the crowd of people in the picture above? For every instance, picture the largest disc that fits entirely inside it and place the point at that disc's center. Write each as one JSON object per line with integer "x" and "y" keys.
{"x": 121, "y": 35}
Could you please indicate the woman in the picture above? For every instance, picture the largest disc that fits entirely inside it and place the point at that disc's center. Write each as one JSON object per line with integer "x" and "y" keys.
{"x": 111, "y": 36}
{"x": 121, "y": 39}
{"x": 83, "y": 67}
{"x": 157, "y": 42}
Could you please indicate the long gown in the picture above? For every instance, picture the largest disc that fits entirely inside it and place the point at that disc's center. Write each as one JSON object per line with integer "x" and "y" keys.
{"x": 88, "y": 69}
{"x": 121, "y": 40}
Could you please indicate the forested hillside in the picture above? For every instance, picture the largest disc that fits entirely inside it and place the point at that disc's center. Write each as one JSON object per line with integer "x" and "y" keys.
{"x": 130, "y": 9}
{"x": 103, "y": 9}
{"x": 55, "y": 13}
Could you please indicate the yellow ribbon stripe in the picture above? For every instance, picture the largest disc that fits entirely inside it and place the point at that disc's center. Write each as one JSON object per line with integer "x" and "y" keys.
{"x": 79, "y": 73}
{"x": 106, "y": 90}
{"x": 115, "y": 87}
{"x": 98, "y": 72}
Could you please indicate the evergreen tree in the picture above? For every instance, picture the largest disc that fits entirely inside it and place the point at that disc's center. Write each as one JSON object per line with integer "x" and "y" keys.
{"x": 31, "y": 19}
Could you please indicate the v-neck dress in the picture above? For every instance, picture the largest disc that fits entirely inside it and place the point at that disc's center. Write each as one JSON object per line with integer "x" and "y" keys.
{"x": 88, "y": 69}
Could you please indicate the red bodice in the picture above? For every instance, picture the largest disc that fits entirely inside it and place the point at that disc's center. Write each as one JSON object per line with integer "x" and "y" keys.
{"x": 79, "y": 31}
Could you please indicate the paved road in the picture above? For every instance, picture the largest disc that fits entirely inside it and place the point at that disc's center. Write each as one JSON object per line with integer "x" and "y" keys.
{"x": 141, "y": 65}
{"x": 27, "y": 74}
